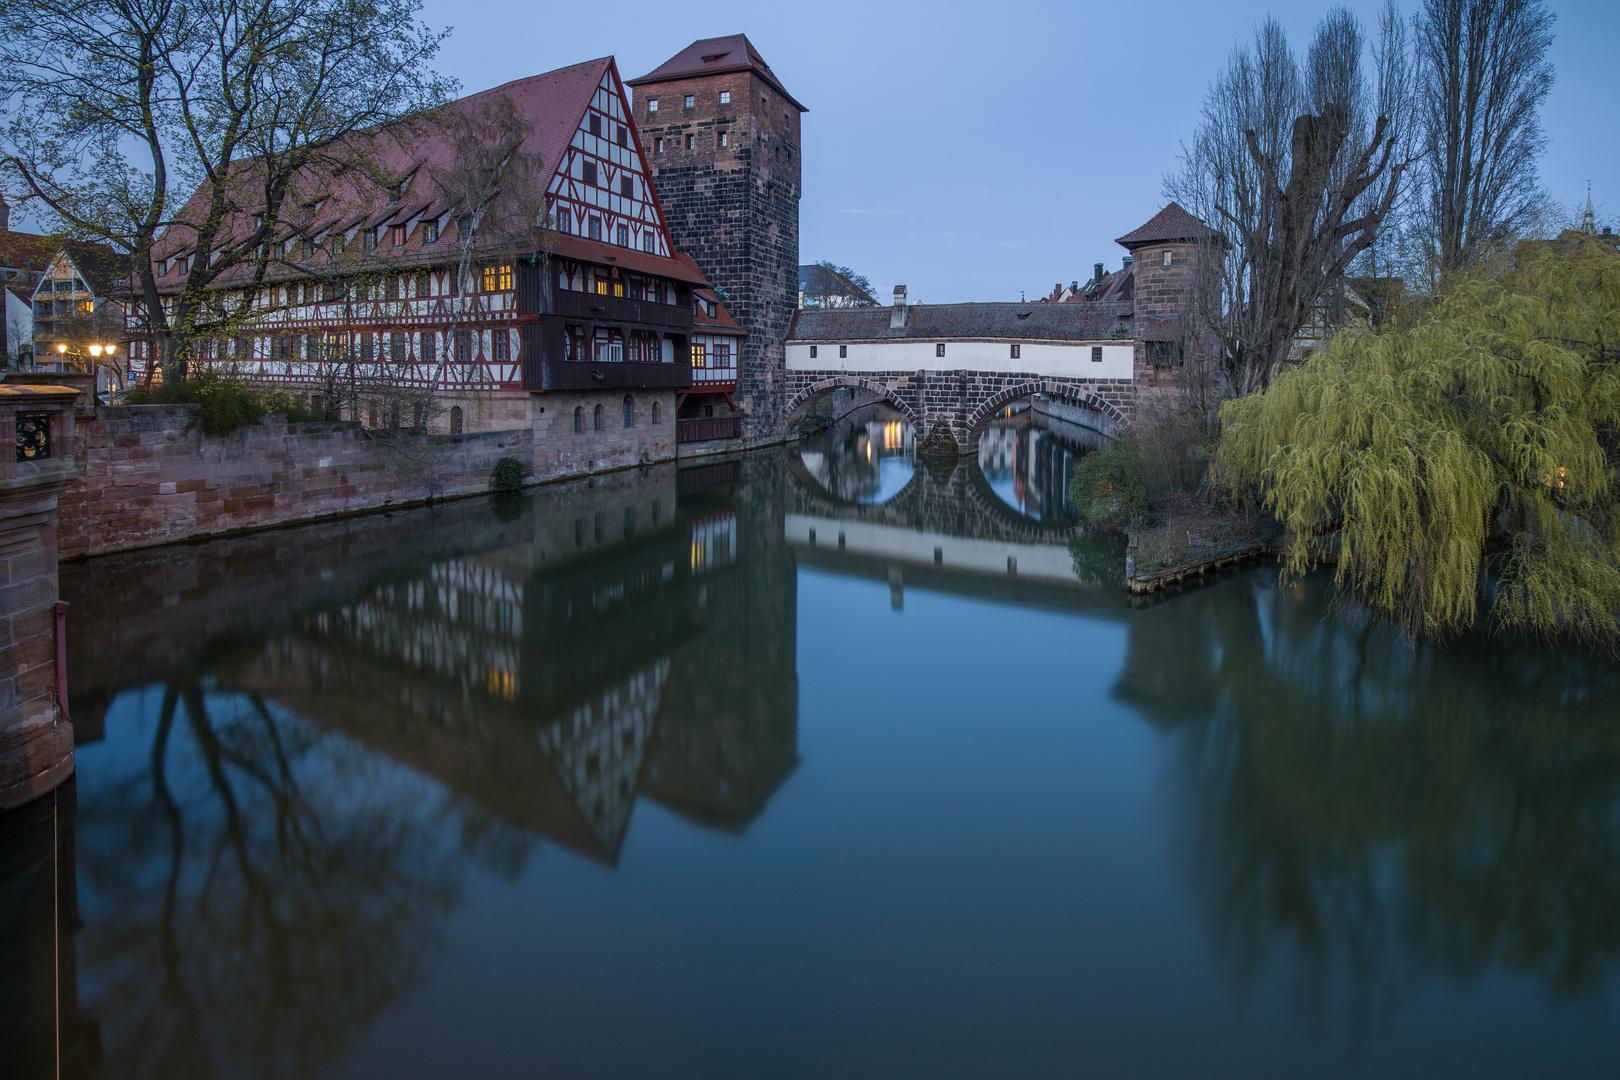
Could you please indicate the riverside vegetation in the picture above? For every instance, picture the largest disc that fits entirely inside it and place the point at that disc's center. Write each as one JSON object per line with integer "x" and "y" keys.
{"x": 1462, "y": 458}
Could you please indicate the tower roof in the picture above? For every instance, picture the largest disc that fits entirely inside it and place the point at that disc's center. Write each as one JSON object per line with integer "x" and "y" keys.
{"x": 1171, "y": 223}
{"x": 715, "y": 56}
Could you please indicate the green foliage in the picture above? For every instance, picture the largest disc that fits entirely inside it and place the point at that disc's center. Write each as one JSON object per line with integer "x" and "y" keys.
{"x": 1487, "y": 427}
{"x": 508, "y": 475}
{"x": 226, "y": 403}
{"x": 1110, "y": 487}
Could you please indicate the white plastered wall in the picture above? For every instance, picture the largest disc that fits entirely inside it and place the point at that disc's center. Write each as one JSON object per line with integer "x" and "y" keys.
{"x": 1047, "y": 359}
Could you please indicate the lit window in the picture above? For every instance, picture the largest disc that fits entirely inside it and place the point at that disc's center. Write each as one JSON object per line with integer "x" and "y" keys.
{"x": 1096, "y": 354}
{"x": 725, "y": 97}
{"x": 1014, "y": 353}
{"x": 843, "y": 352}
{"x": 688, "y": 101}
{"x": 498, "y": 277}
{"x": 396, "y": 236}
{"x": 939, "y": 350}
{"x": 652, "y": 105}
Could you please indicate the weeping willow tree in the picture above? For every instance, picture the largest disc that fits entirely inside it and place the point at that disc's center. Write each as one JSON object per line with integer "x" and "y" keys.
{"x": 1481, "y": 439}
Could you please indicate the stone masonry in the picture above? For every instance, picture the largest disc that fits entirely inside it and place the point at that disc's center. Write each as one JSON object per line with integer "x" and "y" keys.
{"x": 735, "y": 210}
{"x": 949, "y": 409}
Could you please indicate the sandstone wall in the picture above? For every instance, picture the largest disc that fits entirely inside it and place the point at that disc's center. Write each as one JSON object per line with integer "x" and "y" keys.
{"x": 149, "y": 475}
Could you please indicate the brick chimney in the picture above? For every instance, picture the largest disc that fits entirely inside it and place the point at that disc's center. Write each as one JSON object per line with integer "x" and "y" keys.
{"x": 897, "y": 318}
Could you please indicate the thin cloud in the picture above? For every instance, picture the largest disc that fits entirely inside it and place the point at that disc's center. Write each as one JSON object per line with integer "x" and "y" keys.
{"x": 875, "y": 211}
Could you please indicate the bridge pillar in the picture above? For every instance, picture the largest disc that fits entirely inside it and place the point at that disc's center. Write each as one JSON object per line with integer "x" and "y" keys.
{"x": 36, "y": 751}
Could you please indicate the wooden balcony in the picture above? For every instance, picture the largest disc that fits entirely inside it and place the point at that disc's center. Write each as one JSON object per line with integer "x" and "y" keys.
{"x": 706, "y": 428}
{"x": 622, "y": 311}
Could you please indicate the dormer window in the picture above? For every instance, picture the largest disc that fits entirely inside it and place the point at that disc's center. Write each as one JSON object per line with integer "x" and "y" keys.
{"x": 430, "y": 232}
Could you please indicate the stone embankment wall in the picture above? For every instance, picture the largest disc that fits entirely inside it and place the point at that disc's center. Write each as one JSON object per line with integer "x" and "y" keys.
{"x": 148, "y": 475}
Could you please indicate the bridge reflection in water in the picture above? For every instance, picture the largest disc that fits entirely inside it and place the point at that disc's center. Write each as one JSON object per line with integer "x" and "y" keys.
{"x": 322, "y": 744}
{"x": 998, "y": 527}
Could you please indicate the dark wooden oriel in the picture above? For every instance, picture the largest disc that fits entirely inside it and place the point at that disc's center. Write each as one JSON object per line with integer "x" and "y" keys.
{"x": 543, "y": 340}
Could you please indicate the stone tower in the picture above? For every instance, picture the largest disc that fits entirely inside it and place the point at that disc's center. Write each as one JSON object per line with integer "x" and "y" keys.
{"x": 1166, "y": 252}
{"x": 721, "y": 135}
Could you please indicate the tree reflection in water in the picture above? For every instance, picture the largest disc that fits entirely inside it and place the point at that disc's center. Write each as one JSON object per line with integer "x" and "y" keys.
{"x": 1380, "y": 812}
{"x": 255, "y": 891}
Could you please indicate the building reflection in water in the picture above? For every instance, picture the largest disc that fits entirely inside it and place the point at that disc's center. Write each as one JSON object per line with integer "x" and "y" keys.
{"x": 297, "y": 726}
{"x": 867, "y": 457}
{"x": 1375, "y": 814}
{"x": 1028, "y": 460}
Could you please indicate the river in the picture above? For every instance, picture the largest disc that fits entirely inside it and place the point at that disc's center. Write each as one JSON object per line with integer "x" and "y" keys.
{"x": 823, "y": 761}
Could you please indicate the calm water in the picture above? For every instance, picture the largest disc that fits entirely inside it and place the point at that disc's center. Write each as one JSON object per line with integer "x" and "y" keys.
{"x": 787, "y": 767}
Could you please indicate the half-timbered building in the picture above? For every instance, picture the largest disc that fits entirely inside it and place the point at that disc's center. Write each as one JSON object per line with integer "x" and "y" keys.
{"x": 540, "y": 286}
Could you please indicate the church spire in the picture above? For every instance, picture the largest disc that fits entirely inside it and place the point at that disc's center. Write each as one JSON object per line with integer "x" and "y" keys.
{"x": 1588, "y": 222}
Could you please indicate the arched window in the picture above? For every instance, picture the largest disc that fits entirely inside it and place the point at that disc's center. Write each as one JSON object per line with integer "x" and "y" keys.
{"x": 598, "y": 418}
{"x": 629, "y": 411}
{"x": 455, "y": 420}
{"x": 579, "y": 419}
{"x": 655, "y": 412}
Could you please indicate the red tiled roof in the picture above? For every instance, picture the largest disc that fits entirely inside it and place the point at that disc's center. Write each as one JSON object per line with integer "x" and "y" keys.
{"x": 1171, "y": 223}
{"x": 552, "y": 104}
{"x": 642, "y": 262}
{"x": 712, "y": 56}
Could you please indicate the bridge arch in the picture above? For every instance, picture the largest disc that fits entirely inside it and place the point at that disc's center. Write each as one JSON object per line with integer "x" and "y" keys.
{"x": 800, "y": 404}
{"x": 1109, "y": 420}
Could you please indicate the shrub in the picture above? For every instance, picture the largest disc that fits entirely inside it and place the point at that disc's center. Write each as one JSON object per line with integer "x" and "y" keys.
{"x": 226, "y": 403}
{"x": 508, "y": 475}
{"x": 1110, "y": 487}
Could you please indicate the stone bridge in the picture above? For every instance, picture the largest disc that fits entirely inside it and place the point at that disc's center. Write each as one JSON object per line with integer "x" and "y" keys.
{"x": 950, "y": 409}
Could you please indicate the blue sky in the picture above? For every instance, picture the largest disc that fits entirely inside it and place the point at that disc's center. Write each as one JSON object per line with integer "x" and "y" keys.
{"x": 972, "y": 152}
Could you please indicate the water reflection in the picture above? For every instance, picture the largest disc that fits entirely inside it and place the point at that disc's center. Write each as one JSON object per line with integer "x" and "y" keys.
{"x": 342, "y": 727}
{"x": 1029, "y": 458}
{"x": 1373, "y": 814}
{"x": 304, "y": 752}
{"x": 867, "y": 457}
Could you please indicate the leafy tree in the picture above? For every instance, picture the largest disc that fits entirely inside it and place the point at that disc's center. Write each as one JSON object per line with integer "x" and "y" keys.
{"x": 831, "y": 285}
{"x": 1110, "y": 487}
{"x": 1487, "y": 428}
{"x": 145, "y": 123}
